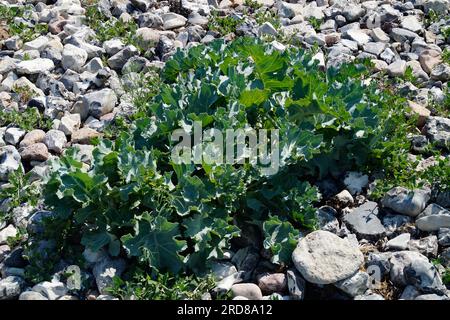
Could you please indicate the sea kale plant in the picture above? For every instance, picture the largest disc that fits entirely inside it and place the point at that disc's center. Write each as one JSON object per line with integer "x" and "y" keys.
{"x": 133, "y": 200}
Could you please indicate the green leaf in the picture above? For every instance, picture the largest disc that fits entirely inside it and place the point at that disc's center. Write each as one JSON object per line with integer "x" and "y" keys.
{"x": 280, "y": 238}
{"x": 154, "y": 241}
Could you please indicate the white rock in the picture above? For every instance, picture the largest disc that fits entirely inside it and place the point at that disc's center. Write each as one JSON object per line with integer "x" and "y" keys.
{"x": 10, "y": 287}
{"x": 355, "y": 285}
{"x": 34, "y": 66}
{"x": 397, "y": 68}
{"x": 322, "y": 258}
{"x": 51, "y": 290}
{"x": 357, "y": 35}
{"x": 405, "y": 201}
{"x": 411, "y": 23}
{"x": 9, "y": 231}
{"x": 248, "y": 290}
{"x": 100, "y": 102}
{"x": 172, "y": 21}
{"x": 70, "y": 123}
{"x": 113, "y": 46}
{"x": 9, "y": 161}
{"x": 399, "y": 243}
{"x": 14, "y": 135}
{"x": 55, "y": 140}
{"x": 433, "y": 218}
{"x": 356, "y": 182}
{"x": 37, "y": 44}
{"x": 73, "y": 57}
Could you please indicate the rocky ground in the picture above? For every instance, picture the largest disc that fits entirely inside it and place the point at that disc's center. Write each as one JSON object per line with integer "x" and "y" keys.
{"x": 78, "y": 77}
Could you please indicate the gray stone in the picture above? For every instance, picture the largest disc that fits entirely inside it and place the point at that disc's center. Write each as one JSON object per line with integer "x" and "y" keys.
{"x": 10, "y": 287}
{"x": 395, "y": 222}
{"x": 100, "y": 102}
{"x": 13, "y": 135}
{"x": 9, "y": 231}
{"x": 444, "y": 237}
{"x": 142, "y": 5}
{"x": 55, "y": 140}
{"x": 402, "y": 35}
{"x": 267, "y": 28}
{"x": 388, "y": 55}
{"x": 353, "y": 12}
{"x": 379, "y": 35}
{"x": 432, "y": 296}
{"x": 357, "y": 35}
{"x": 172, "y": 21}
{"x": 440, "y": 6}
{"x": 114, "y": 45}
{"x": 94, "y": 65}
{"x": 407, "y": 202}
{"x": 9, "y": 161}
{"x": 441, "y": 72}
{"x": 322, "y": 258}
{"x": 73, "y": 57}
{"x": 370, "y": 296}
{"x": 437, "y": 130}
{"x": 397, "y": 68}
{"x": 399, "y": 243}
{"x": 32, "y": 295}
{"x": 326, "y": 217}
{"x": 296, "y": 284}
{"x": 70, "y": 123}
{"x": 413, "y": 268}
{"x": 364, "y": 221}
{"x": 433, "y": 218}
{"x": 411, "y": 23}
{"x": 222, "y": 269}
{"x": 375, "y": 48}
{"x": 344, "y": 198}
{"x": 427, "y": 246}
{"x": 51, "y": 290}
{"x": 37, "y": 44}
{"x": 13, "y": 43}
{"x": 409, "y": 293}
{"x": 224, "y": 285}
{"x": 248, "y": 290}
{"x": 117, "y": 61}
{"x": 355, "y": 285}
{"x": 379, "y": 263}
{"x": 272, "y": 282}
{"x": 35, "y": 66}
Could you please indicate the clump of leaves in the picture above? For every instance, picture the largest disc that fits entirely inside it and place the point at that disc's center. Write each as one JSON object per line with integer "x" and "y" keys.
{"x": 27, "y": 119}
{"x": 445, "y": 32}
{"x": 180, "y": 217}
{"x": 19, "y": 190}
{"x": 446, "y": 54}
{"x": 252, "y": 4}
{"x": 263, "y": 15}
{"x": 441, "y": 108}
{"x": 18, "y": 21}
{"x": 223, "y": 25}
{"x": 315, "y": 23}
{"x": 107, "y": 28}
{"x": 163, "y": 286}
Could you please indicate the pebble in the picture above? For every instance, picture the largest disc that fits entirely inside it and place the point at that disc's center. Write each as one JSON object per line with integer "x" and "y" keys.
{"x": 322, "y": 258}
{"x": 404, "y": 201}
{"x": 247, "y": 290}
